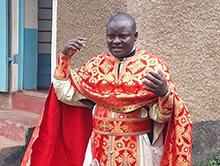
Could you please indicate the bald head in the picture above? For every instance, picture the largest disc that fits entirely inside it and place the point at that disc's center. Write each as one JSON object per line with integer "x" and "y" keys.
{"x": 121, "y": 35}
{"x": 120, "y": 16}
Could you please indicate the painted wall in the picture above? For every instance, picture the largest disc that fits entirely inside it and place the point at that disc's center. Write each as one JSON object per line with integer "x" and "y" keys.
{"x": 30, "y": 44}
{"x": 184, "y": 33}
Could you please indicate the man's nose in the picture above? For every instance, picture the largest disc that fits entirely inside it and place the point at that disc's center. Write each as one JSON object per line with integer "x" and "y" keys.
{"x": 116, "y": 40}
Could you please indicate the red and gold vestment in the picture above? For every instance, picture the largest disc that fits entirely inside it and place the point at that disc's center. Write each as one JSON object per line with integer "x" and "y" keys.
{"x": 117, "y": 89}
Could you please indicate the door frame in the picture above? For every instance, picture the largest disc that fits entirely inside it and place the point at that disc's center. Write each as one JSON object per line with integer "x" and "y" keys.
{"x": 21, "y": 46}
{"x": 54, "y": 38}
{"x": 4, "y": 45}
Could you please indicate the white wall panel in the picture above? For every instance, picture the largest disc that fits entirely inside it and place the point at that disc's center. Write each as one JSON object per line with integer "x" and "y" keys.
{"x": 31, "y": 13}
{"x": 13, "y": 49}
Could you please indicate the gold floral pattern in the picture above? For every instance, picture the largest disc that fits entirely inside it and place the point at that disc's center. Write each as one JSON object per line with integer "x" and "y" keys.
{"x": 111, "y": 146}
{"x": 123, "y": 93}
{"x": 100, "y": 81}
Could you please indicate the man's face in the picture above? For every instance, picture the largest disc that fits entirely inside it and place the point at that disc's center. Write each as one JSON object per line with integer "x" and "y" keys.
{"x": 120, "y": 38}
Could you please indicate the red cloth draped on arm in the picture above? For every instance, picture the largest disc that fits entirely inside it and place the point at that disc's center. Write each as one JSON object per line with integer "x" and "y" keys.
{"x": 61, "y": 135}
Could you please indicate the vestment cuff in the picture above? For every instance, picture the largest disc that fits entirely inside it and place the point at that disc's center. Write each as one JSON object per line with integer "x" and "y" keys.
{"x": 166, "y": 103}
{"x": 62, "y": 69}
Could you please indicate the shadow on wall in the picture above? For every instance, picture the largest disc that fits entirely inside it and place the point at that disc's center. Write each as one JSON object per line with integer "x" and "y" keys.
{"x": 206, "y": 140}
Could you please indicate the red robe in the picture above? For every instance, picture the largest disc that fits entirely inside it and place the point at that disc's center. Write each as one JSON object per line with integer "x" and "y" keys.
{"x": 65, "y": 130}
{"x": 61, "y": 135}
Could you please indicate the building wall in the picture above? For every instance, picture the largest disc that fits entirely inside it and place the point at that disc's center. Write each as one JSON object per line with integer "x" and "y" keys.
{"x": 184, "y": 33}
{"x": 30, "y": 43}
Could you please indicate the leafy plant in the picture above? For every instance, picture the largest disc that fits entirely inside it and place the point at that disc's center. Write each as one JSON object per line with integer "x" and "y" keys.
{"x": 214, "y": 162}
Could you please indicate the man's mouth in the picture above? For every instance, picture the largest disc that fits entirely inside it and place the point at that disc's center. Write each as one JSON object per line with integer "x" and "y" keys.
{"x": 117, "y": 49}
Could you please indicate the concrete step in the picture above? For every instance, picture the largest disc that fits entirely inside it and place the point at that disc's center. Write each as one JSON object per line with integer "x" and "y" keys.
{"x": 11, "y": 152}
{"x": 15, "y": 124}
{"x": 29, "y": 100}
{"x": 5, "y": 100}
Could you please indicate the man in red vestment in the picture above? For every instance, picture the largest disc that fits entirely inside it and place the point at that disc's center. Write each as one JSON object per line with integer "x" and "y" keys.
{"x": 138, "y": 118}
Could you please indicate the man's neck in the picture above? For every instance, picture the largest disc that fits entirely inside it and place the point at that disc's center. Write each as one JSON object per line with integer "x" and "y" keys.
{"x": 130, "y": 54}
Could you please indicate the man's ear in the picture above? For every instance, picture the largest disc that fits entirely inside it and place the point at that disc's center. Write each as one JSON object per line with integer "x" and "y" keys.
{"x": 135, "y": 36}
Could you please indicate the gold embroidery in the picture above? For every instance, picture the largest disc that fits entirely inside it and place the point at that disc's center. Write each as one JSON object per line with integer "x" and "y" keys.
{"x": 117, "y": 151}
{"x": 123, "y": 127}
{"x": 120, "y": 149}
{"x": 98, "y": 80}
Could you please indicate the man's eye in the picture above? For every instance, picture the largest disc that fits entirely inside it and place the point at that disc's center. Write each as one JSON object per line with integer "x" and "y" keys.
{"x": 123, "y": 36}
{"x": 111, "y": 37}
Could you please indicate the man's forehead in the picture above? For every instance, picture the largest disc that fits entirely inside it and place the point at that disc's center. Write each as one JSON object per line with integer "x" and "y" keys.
{"x": 121, "y": 20}
{"x": 120, "y": 25}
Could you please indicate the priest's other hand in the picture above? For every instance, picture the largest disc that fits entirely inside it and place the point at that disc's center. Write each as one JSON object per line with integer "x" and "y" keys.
{"x": 156, "y": 83}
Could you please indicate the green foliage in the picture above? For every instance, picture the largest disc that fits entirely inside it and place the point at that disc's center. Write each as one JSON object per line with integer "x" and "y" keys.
{"x": 214, "y": 162}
